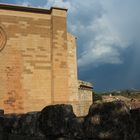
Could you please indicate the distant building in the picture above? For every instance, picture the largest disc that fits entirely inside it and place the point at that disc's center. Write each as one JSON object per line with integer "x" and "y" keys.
{"x": 38, "y": 61}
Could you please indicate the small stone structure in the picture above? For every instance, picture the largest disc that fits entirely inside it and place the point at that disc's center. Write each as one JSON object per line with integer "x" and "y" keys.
{"x": 85, "y": 96}
{"x": 38, "y": 61}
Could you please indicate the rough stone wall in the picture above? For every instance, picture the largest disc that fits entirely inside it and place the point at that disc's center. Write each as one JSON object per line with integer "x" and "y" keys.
{"x": 59, "y": 57}
{"x": 72, "y": 67}
{"x": 85, "y": 97}
{"x": 25, "y": 66}
{"x": 33, "y": 66}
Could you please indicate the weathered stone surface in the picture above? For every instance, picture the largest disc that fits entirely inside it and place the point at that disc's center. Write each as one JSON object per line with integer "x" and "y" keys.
{"x": 110, "y": 121}
{"x": 54, "y": 120}
{"x": 76, "y": 128}
{"x": 26, "y": 124}
{"x": 13, "y": 127}
{"x": 1, "y": 112}
{"x": 19, "y": 137}
{"x": 1, "y": 123}
{"x": 3, "y": 134}
{"x": 135, "y": 114}
{"x": 105, "y": 121}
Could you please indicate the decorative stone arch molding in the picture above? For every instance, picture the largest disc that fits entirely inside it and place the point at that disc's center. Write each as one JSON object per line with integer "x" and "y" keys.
{"x": 3, "y": 38}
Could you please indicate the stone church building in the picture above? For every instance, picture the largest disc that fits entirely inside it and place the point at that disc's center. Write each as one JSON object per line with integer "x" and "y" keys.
{"x": 38, "y": 61}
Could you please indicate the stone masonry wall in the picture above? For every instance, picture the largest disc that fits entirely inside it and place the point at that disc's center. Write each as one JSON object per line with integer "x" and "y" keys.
{"x": 38, "y": 61}
{"x": 85, "y": 97}
{"x": 59, "y": 57}
{"x": 25, "y": 66}
{"x": 33, "y": 66}
{"x": 72, "y": 67}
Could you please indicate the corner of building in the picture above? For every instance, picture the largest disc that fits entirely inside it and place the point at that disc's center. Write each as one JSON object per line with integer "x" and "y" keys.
{"x": 56, "y": 11}
{"x": 85, "y": 91}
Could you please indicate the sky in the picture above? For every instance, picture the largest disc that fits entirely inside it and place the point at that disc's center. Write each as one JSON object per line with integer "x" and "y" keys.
{"x": 108, "y": 39}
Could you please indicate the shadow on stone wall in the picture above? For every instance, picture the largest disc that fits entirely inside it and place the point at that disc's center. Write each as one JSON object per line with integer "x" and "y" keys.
{"x": 105, "y": 121}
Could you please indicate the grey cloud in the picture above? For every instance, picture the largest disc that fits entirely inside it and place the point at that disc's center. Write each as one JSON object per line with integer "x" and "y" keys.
{"x": 115, "y": 29}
